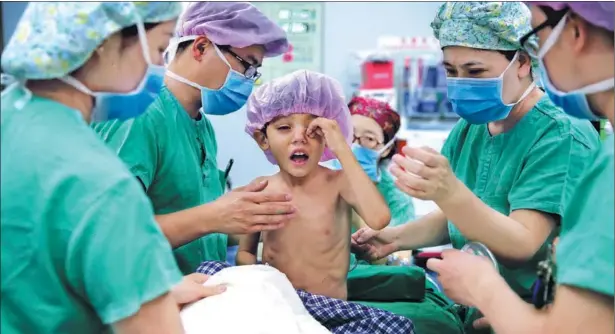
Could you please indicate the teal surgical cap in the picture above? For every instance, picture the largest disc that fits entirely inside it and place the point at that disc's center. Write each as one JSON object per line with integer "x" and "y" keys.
{"x": 483, "y": 25}
{"x": 53, "y": 39}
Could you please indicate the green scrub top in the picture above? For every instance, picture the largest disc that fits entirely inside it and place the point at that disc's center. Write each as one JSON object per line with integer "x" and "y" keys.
{"x": 535, "y": 166}
{"x": 80, "y": 247}
{"x": 400, "y": 204}
{"x": 174, "y": 156}
{"x": 585, "y": 250}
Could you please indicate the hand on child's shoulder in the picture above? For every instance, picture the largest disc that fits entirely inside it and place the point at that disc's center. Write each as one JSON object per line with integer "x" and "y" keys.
{"x": 260, "y": 179}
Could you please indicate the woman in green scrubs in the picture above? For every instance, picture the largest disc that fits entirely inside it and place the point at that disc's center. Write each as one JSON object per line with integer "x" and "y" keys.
{"x": 172, "y": 149}
{"x": 577, "y": 56}
{"x": 81, "y": 251}
{"x": 375, "y": 125}
{"x": 508, "y": 166}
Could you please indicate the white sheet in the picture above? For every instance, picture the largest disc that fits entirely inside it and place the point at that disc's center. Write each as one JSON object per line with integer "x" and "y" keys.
{"x": 259, "y": 300}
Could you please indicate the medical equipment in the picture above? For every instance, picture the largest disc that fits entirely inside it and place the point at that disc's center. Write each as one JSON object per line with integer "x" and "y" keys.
{"x": 479, "y": 101}
{"x": 227, "y": 99}
{"x": 227, "y": 172}
{"x": 543, "y": 290}
{"x": 479, "y": 249}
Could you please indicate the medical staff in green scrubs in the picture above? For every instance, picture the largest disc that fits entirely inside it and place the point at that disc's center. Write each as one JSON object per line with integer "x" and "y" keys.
{"x": 172, "y": 148}
{"x": 509, "y": 166}
{"x": 576, "y": 56}
{"x": 81, "y": 251}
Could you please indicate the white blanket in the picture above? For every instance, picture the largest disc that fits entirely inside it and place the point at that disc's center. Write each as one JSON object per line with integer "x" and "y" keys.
{"x": 259, "y": 300}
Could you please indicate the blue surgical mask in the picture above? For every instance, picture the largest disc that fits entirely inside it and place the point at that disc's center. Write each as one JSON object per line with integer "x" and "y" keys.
{"x": 367, "y": 158}
{"x": 574, "y": 103}
{"x": 227, "y": 99}
{"x": 122, "y": 106}
{"x": 479, "y": 101}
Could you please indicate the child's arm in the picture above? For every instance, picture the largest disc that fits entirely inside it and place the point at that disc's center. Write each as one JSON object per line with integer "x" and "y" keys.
{"x": 248, "y": 247}
{"x": 356, "y": 188}
{"x": 360, "y": 192}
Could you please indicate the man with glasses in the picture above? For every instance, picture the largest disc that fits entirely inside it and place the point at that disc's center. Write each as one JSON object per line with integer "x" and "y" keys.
{"x": 171, "y": 149}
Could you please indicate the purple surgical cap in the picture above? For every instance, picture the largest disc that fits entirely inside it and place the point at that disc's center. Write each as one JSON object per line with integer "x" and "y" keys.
{"x": 238, "y": 24}
{"x": 598, "y": 13}
{"x": 300, "y": 92}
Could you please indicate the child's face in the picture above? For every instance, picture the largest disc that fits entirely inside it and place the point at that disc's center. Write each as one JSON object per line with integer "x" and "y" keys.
{"x": 295, "y": 152}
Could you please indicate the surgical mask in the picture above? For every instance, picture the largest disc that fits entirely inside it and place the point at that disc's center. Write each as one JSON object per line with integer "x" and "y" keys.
{"x": 229, "y": 98}
{"x": 367, "y": 158}
{"x": 479, "y": 101}
{"x": 574, "y": 103}
{"x": 122, "y": 106}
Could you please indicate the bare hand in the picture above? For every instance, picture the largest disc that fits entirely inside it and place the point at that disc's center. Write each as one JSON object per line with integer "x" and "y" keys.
{"x": 464, "y": 277}
{"x": 330, "y": 131}
{"x": 248, "y": 210}
{"x": 424, "y": 173}
{"x": 374, "y": 245}
{"x": 191, "y": 289}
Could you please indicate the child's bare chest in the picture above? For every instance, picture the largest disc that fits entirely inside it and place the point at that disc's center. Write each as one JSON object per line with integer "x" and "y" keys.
{"x": 320, "y": 219}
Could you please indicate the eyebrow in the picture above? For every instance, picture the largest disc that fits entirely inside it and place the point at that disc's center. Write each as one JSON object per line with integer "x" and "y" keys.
{"x": 471, "y": 63}
{"x": 370, "y": 132}
{"x": 254, "y": 62}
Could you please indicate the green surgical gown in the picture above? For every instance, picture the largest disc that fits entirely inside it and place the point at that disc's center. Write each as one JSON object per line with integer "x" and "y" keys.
{"x": 535, "y": 166}
{"x": 174, "y": 156}
{"x": 585, "y": 249}
{"x": 80, "y": 246}
{"x": 400, "y": 204}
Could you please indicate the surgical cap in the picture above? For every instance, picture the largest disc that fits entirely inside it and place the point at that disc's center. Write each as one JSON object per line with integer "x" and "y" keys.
{"x": 300, "y": 92}
{"x": 482, "y": 25}
{"x": 238, "y": 24}
{"x": 599, "y": 13}
{"x": 53, "y": 39}
{"x": 379, "y": 111}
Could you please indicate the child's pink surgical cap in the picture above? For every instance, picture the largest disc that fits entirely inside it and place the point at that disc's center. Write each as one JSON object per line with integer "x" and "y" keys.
{"x": 300, "y": 92}
{"x": 238, "y": 24}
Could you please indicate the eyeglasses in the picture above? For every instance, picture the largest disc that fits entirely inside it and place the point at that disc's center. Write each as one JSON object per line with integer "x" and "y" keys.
{"x": 553, "y": 18}
{"x": 366, "y": 141}
{"x": 250, "y": 70}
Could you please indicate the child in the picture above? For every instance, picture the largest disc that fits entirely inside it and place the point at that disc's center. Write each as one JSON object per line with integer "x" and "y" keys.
{"x": 300, "y": 120}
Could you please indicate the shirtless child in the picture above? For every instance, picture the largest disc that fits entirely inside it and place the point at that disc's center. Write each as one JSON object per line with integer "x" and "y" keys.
{"x": 299, "y": 120}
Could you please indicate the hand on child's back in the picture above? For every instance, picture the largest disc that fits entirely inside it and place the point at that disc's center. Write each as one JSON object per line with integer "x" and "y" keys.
{"x": 248, "y": 210}
{"x": 329, "y": 130}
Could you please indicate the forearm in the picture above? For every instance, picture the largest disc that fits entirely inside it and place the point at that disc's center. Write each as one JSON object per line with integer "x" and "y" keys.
{"x": 428, "y": 231}
{"x": 187, "y": 225}
{"x": 506, "y": 312}
{"x": 356, "y": 222}
{"x": 160, "y": 315}
{"x": 367, "y": 200}
{"x": 504, "y": 236}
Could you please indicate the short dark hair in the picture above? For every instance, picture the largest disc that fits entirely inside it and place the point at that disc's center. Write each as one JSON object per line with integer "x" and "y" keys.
{"x": 510, "y": 55}
{"x": 132, "y": 31}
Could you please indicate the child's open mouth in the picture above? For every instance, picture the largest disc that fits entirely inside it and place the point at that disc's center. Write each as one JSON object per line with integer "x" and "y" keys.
{"x": 299, "y": 157}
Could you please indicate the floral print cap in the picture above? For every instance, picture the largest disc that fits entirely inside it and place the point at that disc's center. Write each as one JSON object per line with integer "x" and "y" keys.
{"x": 487, "y": 25}
{"x": 53, "y": 39}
